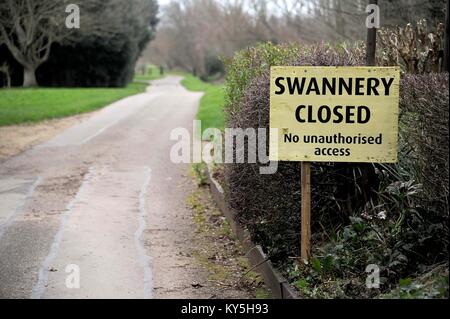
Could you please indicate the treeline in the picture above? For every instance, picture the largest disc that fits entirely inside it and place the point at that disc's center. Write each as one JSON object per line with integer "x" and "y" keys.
{"x": 103, "y": 52}
{"x": 195, "y": 34}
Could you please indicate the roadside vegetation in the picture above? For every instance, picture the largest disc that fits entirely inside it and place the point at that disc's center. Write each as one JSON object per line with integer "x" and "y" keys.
{"x": 19, "y": 105}
{"x": 395, "y": 216}
{"x": 217, "y": 249}
{"x": 392, "y": 216}
{"x": 211, "y": 105}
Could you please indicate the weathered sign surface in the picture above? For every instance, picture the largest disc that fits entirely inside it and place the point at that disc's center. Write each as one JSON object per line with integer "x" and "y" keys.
{"x": 334, "y": 114}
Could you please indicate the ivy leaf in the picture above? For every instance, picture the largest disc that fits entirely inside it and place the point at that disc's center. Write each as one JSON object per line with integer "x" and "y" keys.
{"x": 405, "y": 282}
{"x": 315, "y": 263}
{"x": 301, "y": 284}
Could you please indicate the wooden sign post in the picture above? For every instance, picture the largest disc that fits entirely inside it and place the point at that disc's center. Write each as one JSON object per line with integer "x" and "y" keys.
{"x": 332, "y": 114}
{"x": 371, "y": 43}
{"x": 306, "y": 212}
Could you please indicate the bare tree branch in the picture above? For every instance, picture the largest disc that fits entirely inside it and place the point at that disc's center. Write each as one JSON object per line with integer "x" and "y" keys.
{"x": 30, "y": 27}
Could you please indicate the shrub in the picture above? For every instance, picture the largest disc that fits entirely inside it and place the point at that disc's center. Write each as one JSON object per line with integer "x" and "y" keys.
{"x": 402, "y": 226}
{"x": 414, "y": 47}
{"x": 424, "y": 132}
{"x": 269, "y": 205}
{"x": 404, "y": 229}
{"x": 247, "y": 65}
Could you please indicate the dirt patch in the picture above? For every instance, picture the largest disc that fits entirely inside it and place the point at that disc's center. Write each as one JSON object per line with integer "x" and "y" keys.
{"x": 15, "y": 139}
{"x": 219, "y": 252}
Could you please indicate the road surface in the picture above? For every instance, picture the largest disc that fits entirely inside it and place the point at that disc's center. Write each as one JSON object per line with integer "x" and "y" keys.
{"x": 100, "y": 211}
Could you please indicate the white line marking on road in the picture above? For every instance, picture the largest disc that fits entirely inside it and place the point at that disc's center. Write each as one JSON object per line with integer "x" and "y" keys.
{"x": 41, "y": 285}
{"x": 19, "y": 208}
{"x": 144, "y": 260}
{"x": 100, "y": 131}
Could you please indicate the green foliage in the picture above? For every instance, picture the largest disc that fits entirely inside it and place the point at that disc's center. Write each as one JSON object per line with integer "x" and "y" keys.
{"x": 432, "y": 284}
{"x": 263, "y": 293}
{"x": 397, "y": 235}
{"x": 248, "y": 64}
{"x": 402, "y": 223}
{"x": 32, "y": 105}
{"x": 199, "y": 172}
{"x": 266, "y": 203}
{"x": 301, "y": 285}
{"x": 211, "y": 105}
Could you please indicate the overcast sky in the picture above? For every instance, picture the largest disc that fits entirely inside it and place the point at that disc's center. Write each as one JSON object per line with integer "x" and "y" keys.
{"x": 274, "y": 9}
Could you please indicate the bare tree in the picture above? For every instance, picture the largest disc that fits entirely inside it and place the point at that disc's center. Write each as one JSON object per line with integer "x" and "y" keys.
{"x": 29, "y": 28}
{"x": 4, "y": 68}
{"x": 192, "y": 32}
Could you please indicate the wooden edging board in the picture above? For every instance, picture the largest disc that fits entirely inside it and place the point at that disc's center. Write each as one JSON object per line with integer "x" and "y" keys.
{"x": 273, "y": 279}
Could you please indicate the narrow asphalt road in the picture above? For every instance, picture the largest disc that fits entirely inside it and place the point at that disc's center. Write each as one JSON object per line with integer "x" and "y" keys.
{"x": 100, "y": 211}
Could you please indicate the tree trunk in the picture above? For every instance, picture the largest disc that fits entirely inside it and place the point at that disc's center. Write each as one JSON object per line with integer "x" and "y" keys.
{"x": 8, "y": 81}
{"x": 446, "y": 50}
{"x": 4, "y": 69}
{"x": 29, "y": 77}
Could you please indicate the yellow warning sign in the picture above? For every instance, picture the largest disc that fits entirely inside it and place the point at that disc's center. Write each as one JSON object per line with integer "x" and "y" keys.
{"x": 334, "y": 114}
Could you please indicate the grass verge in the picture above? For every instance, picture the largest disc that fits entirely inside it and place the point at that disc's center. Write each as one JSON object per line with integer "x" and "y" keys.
{"x": 20, "y": 105}
{"x": 217, "y": 249}
{"x": 211, "y": 105}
